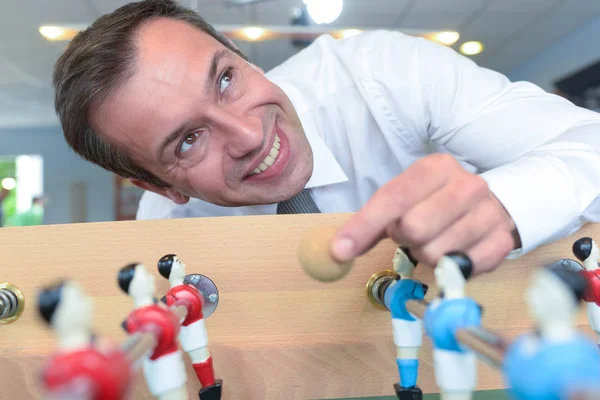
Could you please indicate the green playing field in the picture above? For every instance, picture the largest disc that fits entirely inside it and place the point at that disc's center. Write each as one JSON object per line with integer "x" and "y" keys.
{"x": 483, "y": 395}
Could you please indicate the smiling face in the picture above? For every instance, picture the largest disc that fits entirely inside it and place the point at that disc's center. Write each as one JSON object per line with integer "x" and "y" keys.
{"x": 204, "y": 120}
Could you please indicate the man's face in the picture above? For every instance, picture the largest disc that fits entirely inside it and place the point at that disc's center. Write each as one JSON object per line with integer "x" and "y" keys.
{"x": 204, "y": 120}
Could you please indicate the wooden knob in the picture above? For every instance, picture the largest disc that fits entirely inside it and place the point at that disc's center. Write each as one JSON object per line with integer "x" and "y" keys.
{"x": 315, "y": 258}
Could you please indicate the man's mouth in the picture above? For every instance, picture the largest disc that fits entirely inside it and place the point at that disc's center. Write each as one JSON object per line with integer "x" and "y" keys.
{"x": 269, "y": 159}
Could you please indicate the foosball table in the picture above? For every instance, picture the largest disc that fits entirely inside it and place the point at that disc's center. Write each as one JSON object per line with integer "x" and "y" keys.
{"x": 224, "y": 308}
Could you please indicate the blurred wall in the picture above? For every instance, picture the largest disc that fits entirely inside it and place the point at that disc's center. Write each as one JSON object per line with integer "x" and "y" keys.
{"x": 64, "y": 173}
{"x": 571, "y": 53}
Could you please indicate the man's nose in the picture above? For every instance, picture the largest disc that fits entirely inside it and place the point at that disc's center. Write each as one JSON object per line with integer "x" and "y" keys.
{"x": 242, "y": 134}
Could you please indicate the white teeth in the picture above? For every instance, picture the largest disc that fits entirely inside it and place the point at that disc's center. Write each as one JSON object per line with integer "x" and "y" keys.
{"x": 270, "y": 159}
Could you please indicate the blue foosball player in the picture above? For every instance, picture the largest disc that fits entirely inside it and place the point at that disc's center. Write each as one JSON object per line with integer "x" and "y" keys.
{"x": 407, "y": 330}
{"x": 556, "y": 361}
{"x": 455, "y": 366}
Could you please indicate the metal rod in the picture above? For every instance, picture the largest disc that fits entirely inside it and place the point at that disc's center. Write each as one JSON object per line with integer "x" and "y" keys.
{"x": 488, "y": 346}
{"x": 77, "y": 390}
{"x": 12, "y": 303}
{"x": 9, "y": 303}
{"x": 134, "y": 347}
{"x": 139, "y": 344}
{"x": 180, "y": 311}
{"x": 585, "y": 395}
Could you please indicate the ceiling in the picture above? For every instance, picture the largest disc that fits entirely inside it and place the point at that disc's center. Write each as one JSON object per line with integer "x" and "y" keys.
{"x": 511, "y": 30}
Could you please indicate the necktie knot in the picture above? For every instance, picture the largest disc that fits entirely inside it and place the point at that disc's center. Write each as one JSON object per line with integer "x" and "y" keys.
{"x": 302, "y": 203}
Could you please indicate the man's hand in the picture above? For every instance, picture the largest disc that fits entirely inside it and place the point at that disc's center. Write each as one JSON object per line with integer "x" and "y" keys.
{"x": 434, "y": 207}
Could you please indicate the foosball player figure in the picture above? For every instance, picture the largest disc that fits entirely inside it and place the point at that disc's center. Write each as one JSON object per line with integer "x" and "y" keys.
{"x": 407, "y": 330}
{"x": 586, "y": 250}
{"x": 164, "y": 369}
{"x": 555, "y": 362}
{"x": 455, "y": 367}
{"x": 193, "y": 334}
{"x": 81, "y": 367}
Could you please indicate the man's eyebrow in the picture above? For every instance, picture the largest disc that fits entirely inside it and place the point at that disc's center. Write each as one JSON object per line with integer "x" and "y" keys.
{"x": 212, "y": 75}
{"x": 212, "y": 72}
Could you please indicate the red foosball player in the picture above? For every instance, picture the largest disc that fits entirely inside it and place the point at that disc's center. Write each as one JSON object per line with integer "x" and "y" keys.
{"x": 81, "y": 368}
{"x": 586, "y": 251}
{"x": 193, "y": 336}
{"x": 164, "y": 369}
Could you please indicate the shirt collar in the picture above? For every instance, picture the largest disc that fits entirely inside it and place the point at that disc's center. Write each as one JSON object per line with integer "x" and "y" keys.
{"x": 326, "y": 169}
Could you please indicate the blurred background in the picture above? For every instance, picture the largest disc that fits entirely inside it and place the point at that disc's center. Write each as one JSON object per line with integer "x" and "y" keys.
{"x": 552, "y": 43}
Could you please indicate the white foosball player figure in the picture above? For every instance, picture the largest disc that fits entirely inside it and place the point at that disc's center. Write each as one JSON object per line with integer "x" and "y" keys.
{"x": 193, "y": 333}
{"x": 81, "y": 368}
{"x": 555, "y": 362}
{"x": 407, "y": 329}
{"x": 455, "y": 367}
{"x": 164, "y": 369}
{"x": 586, "y": 250}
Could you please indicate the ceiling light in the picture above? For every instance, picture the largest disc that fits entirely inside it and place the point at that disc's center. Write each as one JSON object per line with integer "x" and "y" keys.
{"x": 51, "y": 32}
{"x": 324, "y": 11}
{"x": 241, "y": 2}
{"x": 471, "y": 48}
{"x": 253, "y": 32}
{"x": 448, "y": 37}
{"x": 346, "y": 33}
{"x": 9, "y": 183}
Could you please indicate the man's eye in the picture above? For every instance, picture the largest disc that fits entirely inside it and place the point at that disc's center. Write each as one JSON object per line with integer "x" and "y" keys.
{"x": 225, "y": 79}
{"x": 188, "y": 142}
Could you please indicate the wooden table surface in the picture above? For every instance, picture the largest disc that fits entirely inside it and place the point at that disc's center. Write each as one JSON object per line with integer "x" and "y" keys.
{"x": 277, "y": 334}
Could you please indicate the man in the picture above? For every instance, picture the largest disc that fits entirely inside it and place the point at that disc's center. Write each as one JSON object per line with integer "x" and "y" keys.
{"x": 154, "y": 94}
{"x": 3, "y": 195}
{"x": 31, "y": 217}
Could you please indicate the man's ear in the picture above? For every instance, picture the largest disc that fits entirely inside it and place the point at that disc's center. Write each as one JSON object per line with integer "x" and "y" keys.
{"x": 169, "y": 193}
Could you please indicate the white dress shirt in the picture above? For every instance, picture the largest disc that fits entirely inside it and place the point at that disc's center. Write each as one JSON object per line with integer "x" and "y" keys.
{"x": 373, "y": 104}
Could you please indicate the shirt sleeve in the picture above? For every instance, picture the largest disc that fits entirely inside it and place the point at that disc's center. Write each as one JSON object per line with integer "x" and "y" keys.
{"x": 537, "y": 151}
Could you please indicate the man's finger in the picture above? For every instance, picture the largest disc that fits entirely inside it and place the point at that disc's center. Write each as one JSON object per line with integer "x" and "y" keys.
{"x": 439, "y": 212}
{"x": 388, "y": 204}
{"x": 463, "y": 234}
{"x": 491, "y": 251}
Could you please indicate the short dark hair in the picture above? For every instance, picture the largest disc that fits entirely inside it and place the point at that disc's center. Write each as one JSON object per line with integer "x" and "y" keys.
{"x": 95, "y": 63}
{"x": 582, "y": 248}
